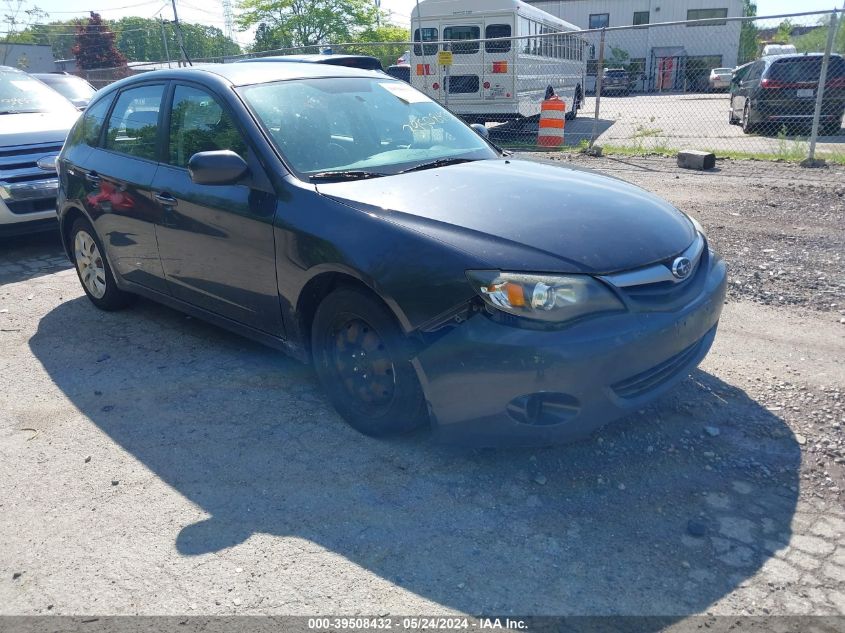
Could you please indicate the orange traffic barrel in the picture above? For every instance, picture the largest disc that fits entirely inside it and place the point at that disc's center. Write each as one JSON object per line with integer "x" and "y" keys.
{"x": 552, "y": 122}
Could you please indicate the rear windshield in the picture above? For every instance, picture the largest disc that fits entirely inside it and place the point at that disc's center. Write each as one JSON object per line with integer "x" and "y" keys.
{"x": 364, "y": 63}
{"x": 801, "y": 69}
{"x": 616, "y": 73}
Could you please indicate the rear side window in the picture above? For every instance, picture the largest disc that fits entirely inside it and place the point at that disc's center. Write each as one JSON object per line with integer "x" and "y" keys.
{"x": 133, "y": 125}
{"x": 458, "y": 33}
{"x": 497, "y": 30}
{"x": 428, "y": 35}
{"x": 805, "y": 69}
{"x": 198, "y": 123}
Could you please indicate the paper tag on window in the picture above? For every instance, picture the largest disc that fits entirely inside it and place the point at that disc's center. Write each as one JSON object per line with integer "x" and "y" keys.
{"x": 404, "y": 92}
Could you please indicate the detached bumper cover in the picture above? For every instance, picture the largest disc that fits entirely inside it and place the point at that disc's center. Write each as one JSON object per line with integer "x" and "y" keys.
{"x": 478, "y": 378}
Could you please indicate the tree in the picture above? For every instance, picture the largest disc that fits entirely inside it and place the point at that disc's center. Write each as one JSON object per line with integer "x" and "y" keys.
{"x": 397, "y": 36}
{"x": 140, "y": 39}
{"x": 748, "y": 34}
{"x": 816, "y": 40}
{"x": 95, "y": 45}
{"x": 783, "y": 33}
{"x": 17, "y": 17}
{"x": 309, "y": 22}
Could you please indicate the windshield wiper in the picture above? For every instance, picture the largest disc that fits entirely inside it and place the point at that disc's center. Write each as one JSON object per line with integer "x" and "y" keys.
{"x": 344, "y": 175}
{"x": 440, "y": 162}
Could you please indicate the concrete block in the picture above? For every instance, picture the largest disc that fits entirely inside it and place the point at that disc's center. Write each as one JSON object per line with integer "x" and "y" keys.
{"x": 695, "y": 159}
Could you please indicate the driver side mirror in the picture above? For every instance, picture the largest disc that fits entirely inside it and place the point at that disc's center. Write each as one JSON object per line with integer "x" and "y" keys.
{"x": 481, "y": 130}
{"x": 220, "y": 167}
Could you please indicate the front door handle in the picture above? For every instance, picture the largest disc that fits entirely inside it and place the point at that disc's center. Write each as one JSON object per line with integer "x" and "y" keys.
{"x": 165, "y": 199}
{"x": 92, "y": 177}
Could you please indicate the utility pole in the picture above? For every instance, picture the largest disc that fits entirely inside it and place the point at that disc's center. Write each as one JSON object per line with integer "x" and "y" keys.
{"x": 179, "y": 35}
{"x": 164, "y": 41}
{"x": 378, "y": 14}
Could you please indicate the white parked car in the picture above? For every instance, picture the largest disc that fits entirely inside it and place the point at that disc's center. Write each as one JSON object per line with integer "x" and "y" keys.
{"x": 34, "y": 122}
{"x": 720, "y": 78}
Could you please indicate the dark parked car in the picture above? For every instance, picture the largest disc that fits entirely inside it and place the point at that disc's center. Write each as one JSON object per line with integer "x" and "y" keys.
{"x": 364, "y": 62}
{"x": 75, "y": 89}
{"x": 345, "y": 217}
{"x": 781, "y": 90}
{"x": 615, "y": 81}
{"x": 400, "y": 71}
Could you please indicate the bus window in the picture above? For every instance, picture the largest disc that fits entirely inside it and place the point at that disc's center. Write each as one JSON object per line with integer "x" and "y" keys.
{"x": 524, "y": 30}
{"x": 497, "y": 30}
{"x": 457, "y": 33}
{"x": 428, "y": 35}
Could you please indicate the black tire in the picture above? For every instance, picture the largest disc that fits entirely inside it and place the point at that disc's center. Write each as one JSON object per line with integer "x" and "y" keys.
{"x": 103, "y": 292}
{"x": 358, "y": 349}
{"x": 747, "y": 126}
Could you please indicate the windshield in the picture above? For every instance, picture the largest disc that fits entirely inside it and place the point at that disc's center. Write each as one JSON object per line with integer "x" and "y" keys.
{"x": 373, "y": 124}
{"x": 722, "y": 71}
{"x": 21, "y": 93}
{"x": 73, "y": 88}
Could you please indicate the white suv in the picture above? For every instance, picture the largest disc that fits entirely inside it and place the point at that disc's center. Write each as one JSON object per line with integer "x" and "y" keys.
{"x": 34, "y": 122}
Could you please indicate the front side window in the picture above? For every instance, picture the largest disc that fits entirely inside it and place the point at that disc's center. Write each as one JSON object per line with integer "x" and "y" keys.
{"x": 599, "y": 20}
{"x": 428, "y": 35}
{"x": 707, "y": 14}
{"x": 20, "y": 93}
{"x": 93, "y": 121}
{"x": 198, "y": 123}
{"x": 458, "y": 33}
{"x": 497, "y": 30}
{"x": 133, "y": 125}
{"x": 387, "y": 125}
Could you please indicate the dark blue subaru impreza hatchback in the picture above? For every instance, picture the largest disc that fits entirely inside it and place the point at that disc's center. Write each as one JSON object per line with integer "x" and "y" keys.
{"x": 346, "y": 218}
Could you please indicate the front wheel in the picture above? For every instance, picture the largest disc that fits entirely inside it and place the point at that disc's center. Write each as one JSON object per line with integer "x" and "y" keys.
{"x": 363, "y": 361}
{"x": 93, "y": 268}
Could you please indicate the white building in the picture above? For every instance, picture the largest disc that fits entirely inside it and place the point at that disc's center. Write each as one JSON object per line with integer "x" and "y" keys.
{"x": 675, "y": 57}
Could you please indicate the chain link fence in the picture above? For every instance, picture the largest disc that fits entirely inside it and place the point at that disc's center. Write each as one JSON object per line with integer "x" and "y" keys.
{"x": 707, "y": 84}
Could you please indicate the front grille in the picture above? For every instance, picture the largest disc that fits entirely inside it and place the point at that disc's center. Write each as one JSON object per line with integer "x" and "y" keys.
{"x": 650, "y": 379}
{"x": 23, "y": 207}
{"x": 24, "y": 187}
{"x": 655, "y": 289}
{"x": 20, "y": 163}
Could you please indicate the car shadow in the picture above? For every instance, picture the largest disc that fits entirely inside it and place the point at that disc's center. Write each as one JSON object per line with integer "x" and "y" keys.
{"x": 662, "y": 513}
{"x": 30, "y": 256}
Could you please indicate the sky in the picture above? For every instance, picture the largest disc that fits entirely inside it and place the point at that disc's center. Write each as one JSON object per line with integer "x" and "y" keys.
{"x": 211, "y": 12}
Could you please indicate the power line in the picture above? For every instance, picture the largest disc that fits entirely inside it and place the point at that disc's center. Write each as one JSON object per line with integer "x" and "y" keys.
{"x": 129, "y": 6}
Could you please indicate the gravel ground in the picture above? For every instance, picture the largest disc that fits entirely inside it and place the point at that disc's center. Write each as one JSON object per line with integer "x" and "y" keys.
{"x": 153, "y": 464}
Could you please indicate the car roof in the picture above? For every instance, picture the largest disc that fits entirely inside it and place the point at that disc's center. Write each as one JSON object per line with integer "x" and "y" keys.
{"x": 246, "y": 73}
{"x": 774, "y": 58}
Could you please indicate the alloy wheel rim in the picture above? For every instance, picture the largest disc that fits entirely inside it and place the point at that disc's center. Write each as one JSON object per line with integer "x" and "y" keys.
{"x": 89, "y": 263}
{"x": 363, "y": 363}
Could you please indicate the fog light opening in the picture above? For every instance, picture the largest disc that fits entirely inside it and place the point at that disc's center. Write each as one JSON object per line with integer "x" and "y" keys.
{"x": 543, "y": 408}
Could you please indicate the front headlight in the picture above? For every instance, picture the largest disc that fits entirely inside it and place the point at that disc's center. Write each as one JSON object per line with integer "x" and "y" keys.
{"x": 551, "y": 298}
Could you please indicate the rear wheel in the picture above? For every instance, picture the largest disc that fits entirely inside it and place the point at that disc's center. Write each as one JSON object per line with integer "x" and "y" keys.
{"x": 363, "y": 361}
{"x": 576, "y": 105}
{"x": 93, "y": 268}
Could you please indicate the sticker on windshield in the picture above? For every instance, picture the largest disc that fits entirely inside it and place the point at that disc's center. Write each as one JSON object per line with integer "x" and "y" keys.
{"x": 404, "y": 92}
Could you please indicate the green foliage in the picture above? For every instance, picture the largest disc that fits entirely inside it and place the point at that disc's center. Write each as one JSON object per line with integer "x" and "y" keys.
{"x": 816, "y": 40}
{"x": 783, "y": 33}
{"x": 748, "y": 35}
{"x": 387, "y": 54}
{"x": 139, "y": 39}
{"x": 309, "y": 22}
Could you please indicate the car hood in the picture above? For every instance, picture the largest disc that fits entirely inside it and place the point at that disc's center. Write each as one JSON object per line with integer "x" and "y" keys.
{"x": 527, "y": 214}
{"x": 30, "y": 128}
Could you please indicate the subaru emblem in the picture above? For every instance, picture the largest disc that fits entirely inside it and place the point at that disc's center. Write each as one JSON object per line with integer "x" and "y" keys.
{"x": 681, "y": 267}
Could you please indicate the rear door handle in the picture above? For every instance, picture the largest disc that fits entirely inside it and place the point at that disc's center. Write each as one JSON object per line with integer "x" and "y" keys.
{"x": 165, "y": 199}
{"x": 92, "y": 177}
